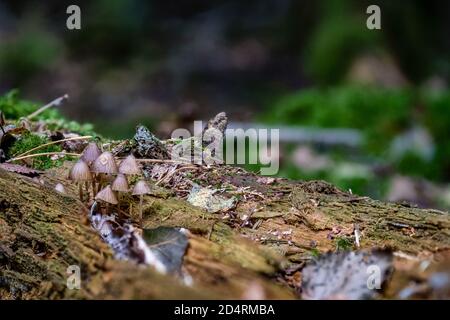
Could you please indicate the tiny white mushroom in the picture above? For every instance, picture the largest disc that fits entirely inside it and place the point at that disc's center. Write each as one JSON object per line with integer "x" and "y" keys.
{"x": 60, "y": 188}
{"x": 107, "y": 195}
{"x": 140, "y": 189}
{"x": 80, "y": 173}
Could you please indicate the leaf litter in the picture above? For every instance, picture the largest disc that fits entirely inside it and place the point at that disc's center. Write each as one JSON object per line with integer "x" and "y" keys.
{"x": 210, "y": 200}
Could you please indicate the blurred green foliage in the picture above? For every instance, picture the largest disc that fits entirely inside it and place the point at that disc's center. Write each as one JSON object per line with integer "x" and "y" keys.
{"x": 334, "y": 45}
{"x": 380, "y": 115}
{"x": 437, "y": 120}
{"x": 33, "y": 50}
{"x": 116, "y": 31}
{"x": 15, "y": 108}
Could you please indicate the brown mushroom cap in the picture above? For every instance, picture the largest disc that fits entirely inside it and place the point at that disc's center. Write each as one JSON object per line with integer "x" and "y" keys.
{"x": 105, "y": 163}
{"x": 91, "y": 152}
{"x": 140, "y": 188}
{"x": 60, "y": 188}
{"x": 129, "y": 166}
{"x": 120, "y": 184}
{"x": 107, "y": 195}
{"x": 80, "y": 172}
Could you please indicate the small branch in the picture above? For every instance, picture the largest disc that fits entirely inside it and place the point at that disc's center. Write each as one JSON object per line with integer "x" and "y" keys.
{"x": 54, "y": 142}
{"x": 55, "y": 103}
{"x": 170, "y": 175}
{"x": 44, "y": 154}
{"x": 163, "y": 161}
{"x": 357, "y": 235}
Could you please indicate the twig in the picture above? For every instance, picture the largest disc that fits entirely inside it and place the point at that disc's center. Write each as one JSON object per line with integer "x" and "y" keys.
{"x": 403, "y": 255}
{"x": 44, "y": 154}
{"x": 170, "y": 175}
{"x": 55, "y": 103}
{"x": 163, "y": 161}
{"x": 244, "y": 192}
{"x": 210, "y": 232}
{"x": 357, "y": 235}
{"x": 54, "y": 142}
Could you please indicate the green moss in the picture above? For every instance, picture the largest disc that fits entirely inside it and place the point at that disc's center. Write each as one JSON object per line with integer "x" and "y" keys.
{"x": 314, "y": 252}
{"x": 15, "y": 108}
{"x": 343, "y": 243}
{"x": 30, "y": 141}
{"x": 72, "y": 126}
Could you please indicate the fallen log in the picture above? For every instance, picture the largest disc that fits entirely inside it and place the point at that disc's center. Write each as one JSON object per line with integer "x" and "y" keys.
{"x": 275, "y": 228}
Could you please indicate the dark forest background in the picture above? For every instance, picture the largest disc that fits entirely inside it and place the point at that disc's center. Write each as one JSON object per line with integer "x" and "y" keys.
{"x": 294, "y": 65}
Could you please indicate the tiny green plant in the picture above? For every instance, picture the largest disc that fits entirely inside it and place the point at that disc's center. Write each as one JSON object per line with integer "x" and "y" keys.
{"x": 314, "y": 252}
{"x": 343, "y": 244}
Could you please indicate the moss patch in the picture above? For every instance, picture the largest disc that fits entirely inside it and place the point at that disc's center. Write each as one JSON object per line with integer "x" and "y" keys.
{"x": 30, "y": 141}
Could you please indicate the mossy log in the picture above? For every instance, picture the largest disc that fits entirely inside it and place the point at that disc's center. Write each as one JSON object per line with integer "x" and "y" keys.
{"x": 42, "y": 232}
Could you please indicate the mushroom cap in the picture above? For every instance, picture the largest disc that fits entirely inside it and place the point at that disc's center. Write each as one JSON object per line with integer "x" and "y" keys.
{"x": 140, "y": 188}
{"x": 129, "y": 166}
{"x": 60, "y": 188}
{"x": 105, "y": 163}
{"x": 120, "y": 184}
{"x": 80, "y": 172}
{"x": 91, "y": 152}
{"x": 107, "y": 195}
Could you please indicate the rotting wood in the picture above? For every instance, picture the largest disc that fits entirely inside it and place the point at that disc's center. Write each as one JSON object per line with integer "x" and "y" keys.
{"x": 42, "y": 232}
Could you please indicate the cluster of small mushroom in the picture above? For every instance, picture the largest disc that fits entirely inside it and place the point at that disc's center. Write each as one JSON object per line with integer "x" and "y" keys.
{"x": 106, "y": 176}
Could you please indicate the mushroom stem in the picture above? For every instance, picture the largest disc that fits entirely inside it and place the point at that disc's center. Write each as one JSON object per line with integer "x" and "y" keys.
{"x": 93, "y": 187}
{"x": 99, "y": 182}
{"x": 119, "y": 198}
{"x": 141, "y": 198}
{"x": 86, "y": 185}
{"x": 80, "y": 190}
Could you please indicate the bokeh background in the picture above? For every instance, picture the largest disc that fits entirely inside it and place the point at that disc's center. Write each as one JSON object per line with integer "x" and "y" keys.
{"x": 368, "y": 110}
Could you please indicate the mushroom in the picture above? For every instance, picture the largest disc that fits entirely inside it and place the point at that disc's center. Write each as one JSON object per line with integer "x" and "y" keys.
{"x": 107, "y": 195}
{"x": 120, "y": 184}
{"x": 105, "y": 164}
{"x": 80, "y": 173}
{"x": 129, "y": 166}
{"x": 60, "y": 188}
{"x": 140, "y": 189}
{"x": 91, "y": 153}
